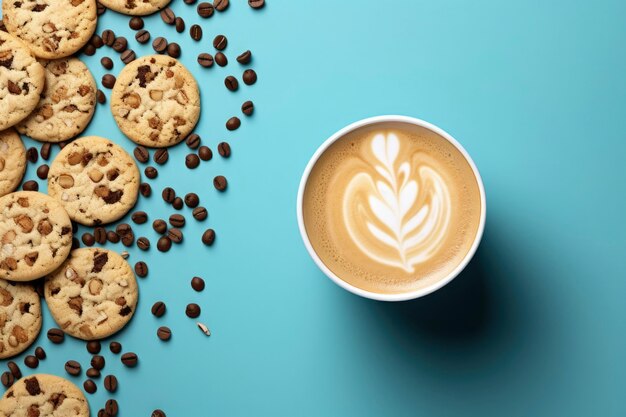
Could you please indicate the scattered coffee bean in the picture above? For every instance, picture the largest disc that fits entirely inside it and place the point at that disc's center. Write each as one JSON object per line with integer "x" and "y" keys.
{"x": 100, "y": 97}
{"x": 141, "y": 269}
{"x": 173, "y": 50}
{"x": 108, "y": 37}
{"x": 220, "y": 42}
{"x": 75, "y": 243}
{"x": 168, "y": 194}
{"x": 247, "y": 108}
{"x": 106, "y": 62}
{"x": 256, "y": 4}
{"x": 192, "y": 161}
{"x": 110, "y": 383}
{"x": 42, "y": 171}
{"x": 56, "y": 336}
{"x": 177, "y": 203}
{"x": 208, "y": 237}
{"x": 159, "y": 44}
{"x": 128, "y": 56}
{"x": 205, "y": 153}
{"x": 224, "y": 149}
{"x": 159, "y": 226}
{"x": 158, "y": 308}
{"x": 93, "y": 373}
{"x": 177, "y": 220}
{"x": 220, "y": 59}
{"x": 32, "y": 155}
{"x": 40, "y": 353}
{"x": 168, "y": 16}
{"x": 31, "y": 361}
{"x": 164, "y": 333}
{"x": 15, "y": 369}
{"x": 192, "y": 310}
{"x": 158, "y": 413}
{"x": 164, "y": 244}
{"x": 115, "y": 347}
{"x": 100, "y": 234}
{"x": 231, "y": 83}
{"x": 190, "y": 1}
{"x": 136, "y": 23}
{"x": 100, "y": 9}
{"x": 45, "y": 151}
{"x": 180, "y": 25}
{"x": 123, "y": 229}
{"x": 98, "y": 362}
{"x": 113, "y": 237}
{"x": 151, "y": 172}
{"x": 205, "y": 9}
{"x": 220, "y": 183}
{"x": 161, "y": 156}
{"x": 197, "y": 284}
{"x": 88, "y": 239}
{"x": 72, "y": 368}
{"x": 110, "y": 407}
{"x": 206, "y": 60}
{"x": 89, "y": 50}
{"x": 245, "y": 57}
{"x": 143, "y": 36}
{"x": 139, "y": 217}
{"x": 108, "y": 80}
{"x": 120, "y": 44}
{"x": 30, "y": 186}
{"x": 220, "y": 5}
{"x": 192, "y": 200}
{"x": 193, "y": 141}
{"x": 90, "y": 386}
{"x": 233, "y": 123}
{"x": 7, "y": 379}
{"x": 143, "y": 243}
{"x": 129, "y": 359}
{"x": 249, "y": 76}
{"x": 195, "y": 32}
{"x": 175, "y": 235}
{"x": 145, "y": 189}
{"x": 200, "y": 213}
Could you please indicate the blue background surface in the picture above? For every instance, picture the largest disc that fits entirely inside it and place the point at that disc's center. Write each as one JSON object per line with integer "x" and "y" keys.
{"x": 534, "y": 90}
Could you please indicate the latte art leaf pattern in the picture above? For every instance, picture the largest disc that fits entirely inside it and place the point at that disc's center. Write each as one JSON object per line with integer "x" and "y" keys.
{"x": 397, "y": 212}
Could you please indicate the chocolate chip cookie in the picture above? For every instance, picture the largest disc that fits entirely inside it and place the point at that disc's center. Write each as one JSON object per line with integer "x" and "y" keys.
{"x": 21, "y": 80}
{"x": 20, "y": 317}
{"x": 12, "y": 161}
{"x": 93, "y": 294}
{"x": 95, "y": 180}
{"x": 67, "y": 104}
{"x": 35, "y": 234}
{"x": 51, "y": 28}
{"x": 43, "y": 395}
{"x": 155, "y": 101}
{"x": 135, "y": 7}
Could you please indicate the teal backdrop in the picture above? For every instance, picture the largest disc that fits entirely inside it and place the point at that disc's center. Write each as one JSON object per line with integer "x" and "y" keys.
{"x": 535, "y": 91}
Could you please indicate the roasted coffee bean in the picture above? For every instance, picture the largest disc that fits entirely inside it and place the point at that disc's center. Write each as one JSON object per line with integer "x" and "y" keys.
{"x": 168, "y": 194}
{"x": 173, "y": 50}
{"x": 120, "y": 44}
{"x": 159, "y": 226}
{"x": 98, "y": 362}
{"x": 90, "y": 386}
{"x": 88, "y": 239}
{"x": 72, "y": 368}
{"x": 158, "y": 308}
{"x": 168, "y": 16}
{"x": 93, "y": 347}
{"x": 42, "y": 171}
{"x": 7, "y": 379}
{"x": 75, "y": 243}
{"x": 15, "y": 369}
{"x": 30, "y": 186}
{"x": 249, "y": 76}
{"x": 158, "y": 413}
{"x": 220, "y": 183}
{"x": 224, "y": 149}
{"x": 177, "y": 220}
{"x": 108, "y": 80}
{"x": 205, "y": 153}
{"x": 128, "y": 56}
{"x": 110, "y": 383}
{"x": 113, "y": 237}
{"x": 192, "y": 200}
{"x": 139, "y": 217}
{"x": 115, "y": 347}
{"x": 100, "y": 9}
{"x": 175, "y": 235}
{"x": 190, "y": 1}
{"x": 177, "y": 203}
{"x": 192, "y": 310}
{"x": 100, "y": 97}
{"x": 56, "y": 336}
{"x": 164, "y": 244}
{"x": 143, "y": 36}
{"x": 110, "y": 407}
{"x": 192, "y": 161}
{"x": 200, "y": 213}
{"x": 145, "y": 189}
{"x": 231, "y": 83}
{"x": 193, "y": 141}
{"x": 220, "y": 5}
{"x": 195, "y": 32}
{"x": 45, "y": 151}
{"x": 136, "y": 23}
{"x": 124, "y": 229}
{"x": 100, "y": 235}
{"x": 197, "y": 284}
{"x": 31, "y": 361}
{"x": 93, "y": 373}
{"x": 220, "y": 42}
{"x": 151, "y": 172}
{"x": 206, "y": 60}
{"x": 208, "y": 237}
{"x": 128, "y": 240}
{"x": 233, "y": 123}
{"x": 96, "y": 41}
{"x": 40, "y": 353}
{"x": 245, "y": 57}
{"x": 143, "y": 243}
{"x": 89, "y": 50}
{"x": 164, "y": 333}
{"x": 247, "y": 108}
{"x": 159, "y": 44}
{"x": 161, "y": 156}
{"x": 129, "y": 359}
{"x": 141, "y": 269}
{"x": 32, "y": 155}
{"x": 205, "y": 9}
{"x": 180, "y": 25}
{"x": 220, "y": 59}
{"x": 106, "y": 62}
{"x": 256, "y": 4}
{"x": 108, "y": 37}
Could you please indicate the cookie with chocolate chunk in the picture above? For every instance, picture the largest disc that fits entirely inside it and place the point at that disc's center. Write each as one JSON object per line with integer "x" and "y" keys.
{"x": 51, "y": 28}
{"x": 156, "y": 101}
{"x": 67, "y": 103}
{"x": 35, "y": 235}
{"x": 95, "y": 180}
{"x": 12, "y": 161}
{"x": 93, "y": 294}
{"x": 20, "y": 317}
{"x": 21, "y": 81}
{"x": 135, "y": 7}
{"x": 43, "y": 395}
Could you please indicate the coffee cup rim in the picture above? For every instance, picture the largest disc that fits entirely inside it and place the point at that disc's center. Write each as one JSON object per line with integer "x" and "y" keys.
{"x": 405, "y": 295}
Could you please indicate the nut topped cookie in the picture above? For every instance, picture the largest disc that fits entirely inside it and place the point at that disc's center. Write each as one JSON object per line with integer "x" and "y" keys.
{"x": 20, "y": 317}
{"x": 21, "y": 80}
{"x": 67, "y": 104}
{"x": 51, "y": 28}
{"x": 12, "y": 161}
{"x": 155, "y": 101}
{"x": 43, "y": 395}
{"x": 35, "y": 234}
{"x": 93, "y": 294}
{"x": 135, "y": 7}
{"x": 95, "y": 180}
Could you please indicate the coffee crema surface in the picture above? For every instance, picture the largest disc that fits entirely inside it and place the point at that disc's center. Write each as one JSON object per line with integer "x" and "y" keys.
{"x": 391, "y": 207}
